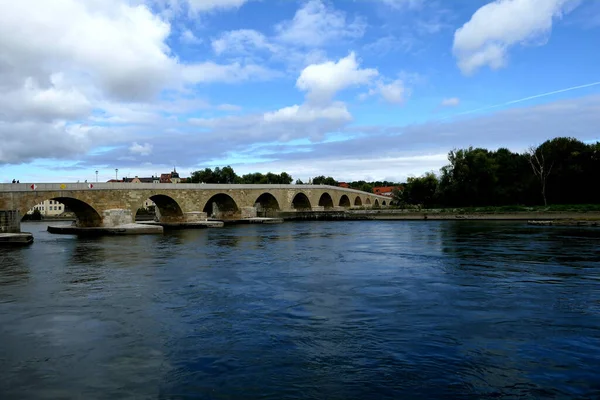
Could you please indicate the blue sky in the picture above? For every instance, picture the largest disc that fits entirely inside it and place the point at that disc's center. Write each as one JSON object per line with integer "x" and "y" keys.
{"x": 362, "y": 89}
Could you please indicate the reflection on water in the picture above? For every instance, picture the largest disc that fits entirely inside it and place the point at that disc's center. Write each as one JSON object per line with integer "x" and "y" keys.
{"x": 344, "y": 310}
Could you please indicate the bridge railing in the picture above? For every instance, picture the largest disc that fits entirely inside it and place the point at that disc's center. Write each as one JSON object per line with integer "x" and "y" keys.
{"x": 47, "y": 187}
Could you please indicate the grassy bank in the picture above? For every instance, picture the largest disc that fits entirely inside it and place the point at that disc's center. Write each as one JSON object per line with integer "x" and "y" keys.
{"x": 582, "y": 212}
{"x": 512, "y": 209}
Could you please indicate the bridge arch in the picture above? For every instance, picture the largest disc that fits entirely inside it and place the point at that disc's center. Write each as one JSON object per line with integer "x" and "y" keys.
{"x": 344, "y": 201}
{"x": 326, "y": 201}
{"x": 357, "y": 201}
{"x": 301, "y": 202}
{"x": 376, "y": 204}
{"x": 383, "y": 203}
{"x": 168, "y": 208}
{"x": 266, "y": 203}
{"x": 222, "y": 206}
{"x": 85, "y": 214}
{"x": 368, "y": 201}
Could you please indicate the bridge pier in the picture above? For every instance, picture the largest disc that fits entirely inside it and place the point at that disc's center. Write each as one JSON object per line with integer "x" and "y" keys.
{"x": 10, "y": 229}
{"x": 195, "y": 216}
{"x": 116, "y": 217}
{"x": 10, "y": 221}
{"x": 249, "y": 212}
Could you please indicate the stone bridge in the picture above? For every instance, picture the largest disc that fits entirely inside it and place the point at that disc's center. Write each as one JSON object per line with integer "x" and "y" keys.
{"x": 114, "y": 204}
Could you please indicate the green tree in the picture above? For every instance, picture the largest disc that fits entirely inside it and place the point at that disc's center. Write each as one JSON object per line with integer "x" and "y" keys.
{"x": 227, "y": 175}
{"x": 203, "y": 176}
{"x": 366, "y": 187}
{"x": 567, "y": 166}
{"x": 421, "y": 190}
{"x": 470, "y": 178}
{"x": 285, "y": 178}
{"x": 322, "y": 180}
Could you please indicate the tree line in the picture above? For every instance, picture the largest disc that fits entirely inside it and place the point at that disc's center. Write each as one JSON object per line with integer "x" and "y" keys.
{"x": 228, "y": 175}
{"x": 559, "y": 171}
{"x": 562, "y": 170}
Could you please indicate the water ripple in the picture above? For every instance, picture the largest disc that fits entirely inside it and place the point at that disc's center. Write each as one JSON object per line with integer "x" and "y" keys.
{"x": 348, "y": 310}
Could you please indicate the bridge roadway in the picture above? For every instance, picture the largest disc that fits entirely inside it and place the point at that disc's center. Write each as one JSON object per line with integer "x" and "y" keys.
{"x": 114, "y": 204}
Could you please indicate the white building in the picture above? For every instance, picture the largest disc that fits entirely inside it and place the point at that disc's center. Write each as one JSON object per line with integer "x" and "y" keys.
{"x": 49, "y": 208}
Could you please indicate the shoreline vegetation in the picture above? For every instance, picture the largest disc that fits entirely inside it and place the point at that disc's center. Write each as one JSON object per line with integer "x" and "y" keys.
{"x": 508, "y": 209}
{"x": 591, "y": 218}
{"x": 559, "y": 171}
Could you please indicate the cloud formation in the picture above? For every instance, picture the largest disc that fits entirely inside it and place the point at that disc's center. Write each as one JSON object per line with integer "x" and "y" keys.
{"x": 316, "y": 24}
{"x": 323, "y": 81}
{"x": 450, "y": 102}
{"x": 144, "y": 83}
{"x": 141, "y": 149}
{"x": 497, "y": 26}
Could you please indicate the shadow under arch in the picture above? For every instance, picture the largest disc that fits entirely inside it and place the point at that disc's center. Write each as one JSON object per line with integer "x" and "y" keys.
{"x": 376, "y": 204}
{"x": 167, "y": 209}
{"x": 357, "y": 201}
{"x": 86, "y": 216}
{"x": 326, "y": 201}
{"x": 383, "y": 203}
{"x": 266, "y": 204}
{"x": 368, "y": 201}
{"x": 344, "y": 201}
{"x": 222, "y": 206}
{"x": 301, "y": 202}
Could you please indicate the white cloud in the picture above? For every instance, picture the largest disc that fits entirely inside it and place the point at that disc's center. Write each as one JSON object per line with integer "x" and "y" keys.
{"x": 228, "y": 107}
{"x": 241, "y": 41}
{"x": 120, "y": 47}
{"x": 188, "y": 37}
{"x": 497, "y": 26}
{"x": 389, "y": 44}
{"x": 412, "y": 4}
{"x": 316, "y": 24}
{"x": 307, "y": 114}
{"x": 296, "y": 43}
{"x": 57, "y": 101}
{"x": 210, "y": 5}
{"x": 141, "y": 149}
{"x": 393, "y": 92}
{"x": 76, "y": 75}
{"x": 323, "y": 81}
{"x": 227, "y": 73}
{"x": 450, "y": 102}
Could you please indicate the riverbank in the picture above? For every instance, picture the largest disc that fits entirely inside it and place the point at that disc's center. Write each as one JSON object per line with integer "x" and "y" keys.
{"x": 480, "y": 216}
{"x": 16, "y": 239}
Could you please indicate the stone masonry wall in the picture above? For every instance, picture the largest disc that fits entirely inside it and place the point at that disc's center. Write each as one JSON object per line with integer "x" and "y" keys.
{"x": 10, "y": 221}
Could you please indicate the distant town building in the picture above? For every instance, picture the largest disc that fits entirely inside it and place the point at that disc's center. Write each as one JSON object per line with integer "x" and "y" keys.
{"x": 48, "y": 208}
{"x": 136, "y": 179}
{"x": 343, "y": 184}
{"x": 385, "y": 190}
{"x": 173, "y": 177}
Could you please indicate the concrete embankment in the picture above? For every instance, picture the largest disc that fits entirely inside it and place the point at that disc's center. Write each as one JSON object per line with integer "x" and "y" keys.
{"x": 566, "y": 222}
{"x": 184, "y": 225}
{"x": 492, "y": 216}
{"x": 16, "y": 239}
{"x": 254, "y": 220}
{"x": 128, "y": 229}
{"x": 437, "y": 215}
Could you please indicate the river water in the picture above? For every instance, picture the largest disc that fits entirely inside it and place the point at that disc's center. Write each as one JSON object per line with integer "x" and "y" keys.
{"x": 315, "y": 310}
